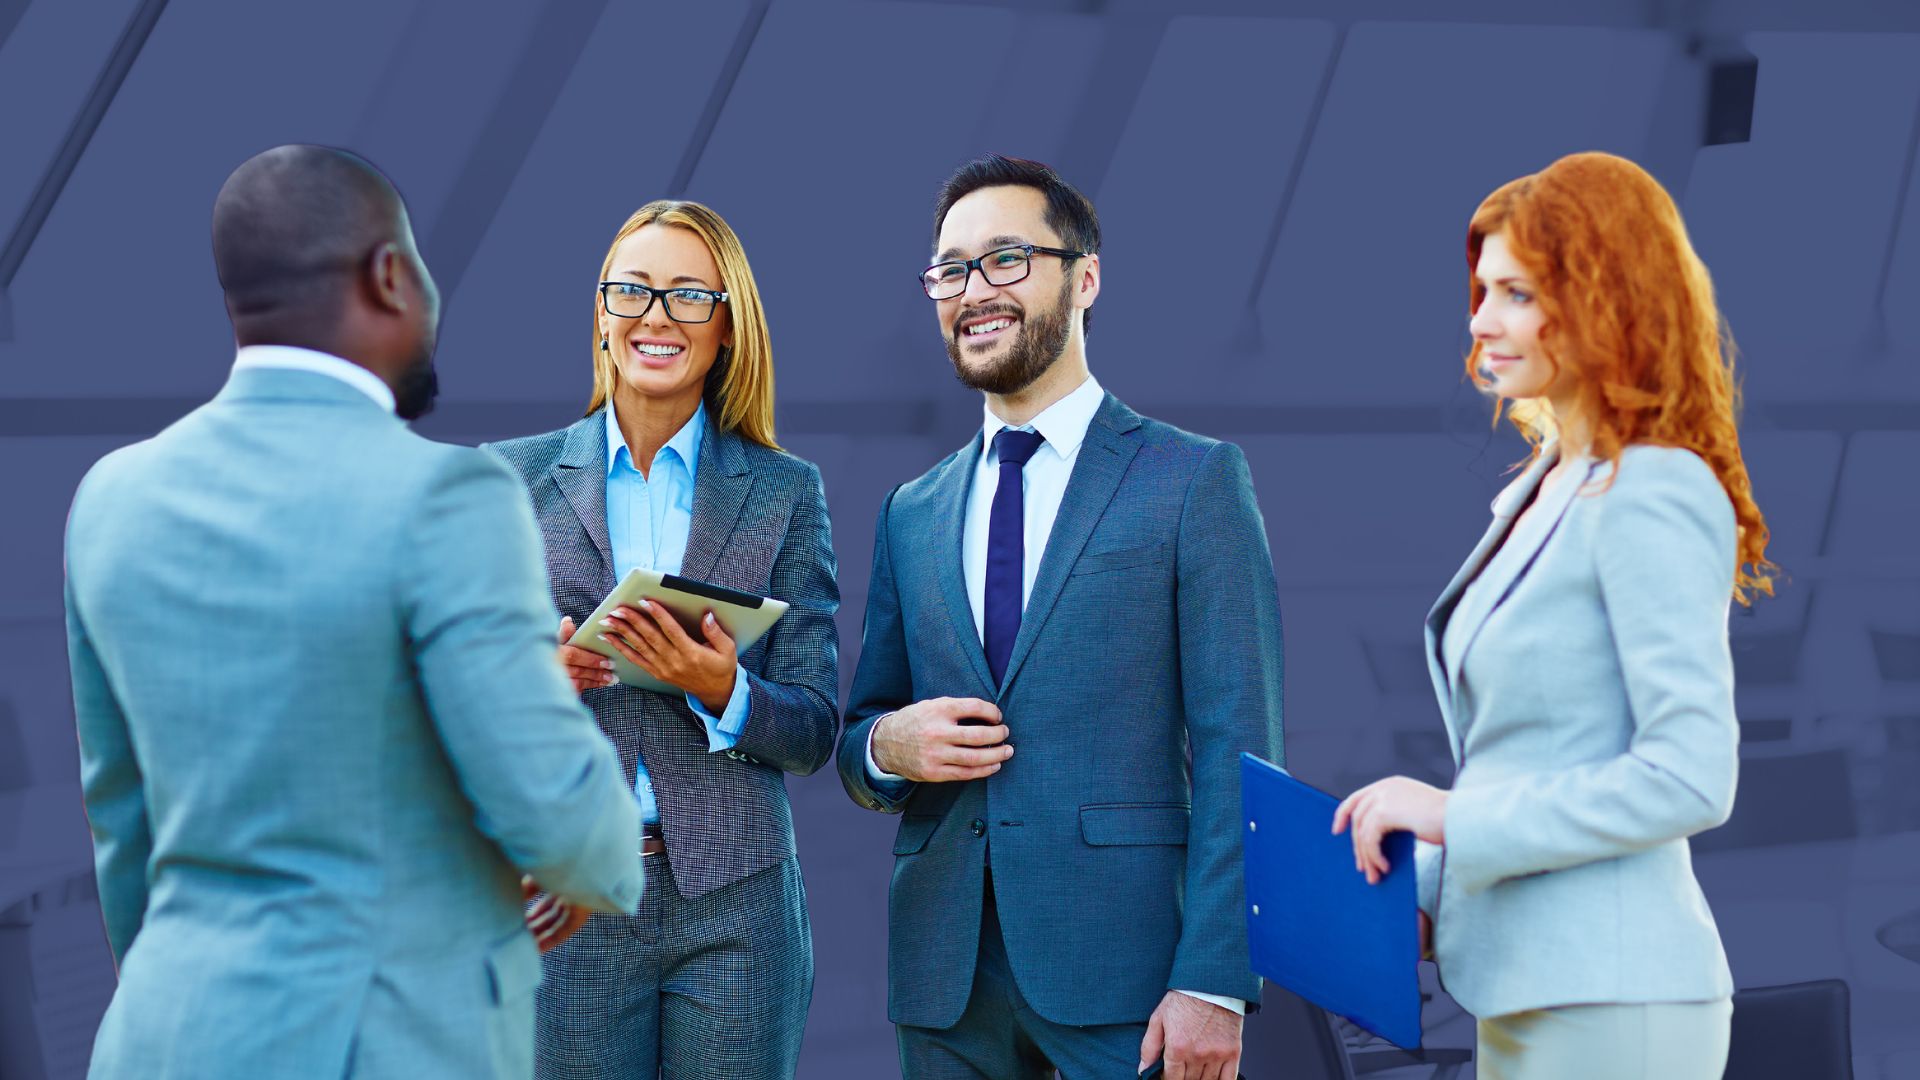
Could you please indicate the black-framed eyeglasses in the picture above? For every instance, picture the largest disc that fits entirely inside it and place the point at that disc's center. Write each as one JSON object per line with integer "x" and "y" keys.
{"x": 1001, "y": 266}
{"x": 631, "y": 300}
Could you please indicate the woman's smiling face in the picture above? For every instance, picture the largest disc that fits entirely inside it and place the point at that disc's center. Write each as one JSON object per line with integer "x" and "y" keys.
{"x": 1507, "y": 325}
{"x": 655, "y": 355}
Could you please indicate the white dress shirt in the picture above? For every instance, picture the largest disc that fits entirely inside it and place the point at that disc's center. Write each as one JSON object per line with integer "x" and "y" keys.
{"x": 294, "y": 358}
{"x": 1063, "y": 425}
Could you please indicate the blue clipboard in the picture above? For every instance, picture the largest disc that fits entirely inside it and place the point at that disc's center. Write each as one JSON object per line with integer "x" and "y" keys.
{"x": 1314, "y": 925}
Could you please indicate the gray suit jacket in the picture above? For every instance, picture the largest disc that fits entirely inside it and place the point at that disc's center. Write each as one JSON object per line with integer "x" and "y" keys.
{"x": 1593, "y": 728}
{"x": 759, "y": 525}
{"x": 1148, "y": 658}
{"x": 321, "y": 734}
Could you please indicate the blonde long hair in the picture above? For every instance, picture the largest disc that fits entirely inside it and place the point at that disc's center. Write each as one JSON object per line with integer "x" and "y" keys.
{"x": 739, "y": 389}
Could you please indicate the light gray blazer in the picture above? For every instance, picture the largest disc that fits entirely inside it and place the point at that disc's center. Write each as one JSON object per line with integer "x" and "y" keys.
{"x": 1592, "y": 723}
{"x": 322, "y": 732}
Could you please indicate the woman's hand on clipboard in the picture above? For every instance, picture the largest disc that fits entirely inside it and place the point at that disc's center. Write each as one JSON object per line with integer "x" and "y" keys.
{"x": 1391, "y": 805}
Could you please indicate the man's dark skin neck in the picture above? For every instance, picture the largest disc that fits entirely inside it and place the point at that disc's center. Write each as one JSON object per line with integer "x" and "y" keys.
{"x": 374, "y": 326}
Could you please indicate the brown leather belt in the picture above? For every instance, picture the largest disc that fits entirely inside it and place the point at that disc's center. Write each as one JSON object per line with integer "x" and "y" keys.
{"x": 651, "y": 841}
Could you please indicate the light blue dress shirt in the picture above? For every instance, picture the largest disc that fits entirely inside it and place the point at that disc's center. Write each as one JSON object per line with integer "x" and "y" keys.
{"x": 648, "y": 519}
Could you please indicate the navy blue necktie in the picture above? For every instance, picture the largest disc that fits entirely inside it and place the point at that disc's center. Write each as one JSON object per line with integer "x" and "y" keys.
{"x": 1006, "y": 554}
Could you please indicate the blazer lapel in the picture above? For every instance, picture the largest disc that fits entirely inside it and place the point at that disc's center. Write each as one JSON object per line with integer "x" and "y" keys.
{"x": 581, "y": 475}
{"x": 720, "y": 488}
{"x": 945, "y": 535}
{"x": 1097, "y": 472}
{"x": 1503, "y": 577}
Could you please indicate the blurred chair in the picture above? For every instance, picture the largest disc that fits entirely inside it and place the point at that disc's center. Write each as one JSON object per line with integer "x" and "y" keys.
{"x": 1303, "y": 1041}
{"x": 1901, "y": 936}
{"x": 1788, "y": 799}
{"x": 58, "y": 978}
{"x": 1896, "y": 653}
{"x": 1800, "y": 1031}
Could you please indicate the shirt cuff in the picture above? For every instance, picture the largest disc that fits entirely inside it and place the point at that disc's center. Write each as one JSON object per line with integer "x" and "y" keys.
{"x": 891, "y": 782}
{"x": 723, "y": 731}
{"x": 1234, "y": 1004}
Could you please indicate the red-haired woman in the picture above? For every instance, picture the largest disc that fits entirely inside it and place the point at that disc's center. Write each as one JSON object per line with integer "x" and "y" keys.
{"x": 1580, "y": 655}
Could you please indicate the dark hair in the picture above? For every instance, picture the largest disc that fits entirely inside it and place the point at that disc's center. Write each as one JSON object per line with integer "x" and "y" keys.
{"x": 1069, "y": 213}
{"x": 290, "y": 226}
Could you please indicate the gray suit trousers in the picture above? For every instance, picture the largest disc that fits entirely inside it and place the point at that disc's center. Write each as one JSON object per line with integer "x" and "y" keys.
{"x": 714, "y": 987}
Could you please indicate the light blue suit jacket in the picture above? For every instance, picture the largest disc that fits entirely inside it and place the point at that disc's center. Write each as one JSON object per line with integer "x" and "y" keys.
{"x": 322, "y": 733}
{"x": 1592, "y": 722}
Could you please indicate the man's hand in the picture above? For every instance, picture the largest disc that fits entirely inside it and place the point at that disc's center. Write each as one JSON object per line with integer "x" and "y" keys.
{"x": 654, "y": 640}
{"x": 1391, "y": 805}
{"x": 550, "y": 920}
{"x": 1198, "y": 1040}
{"x": 931, "y": 742}
{"x": 586, "y": 670}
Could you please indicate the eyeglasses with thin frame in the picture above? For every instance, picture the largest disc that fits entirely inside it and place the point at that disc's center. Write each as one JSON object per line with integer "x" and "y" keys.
{"x": 631, "y": 300}
{"x": 1001, "y": 266}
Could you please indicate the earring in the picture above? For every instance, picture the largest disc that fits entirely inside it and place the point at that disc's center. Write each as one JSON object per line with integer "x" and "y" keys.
{"x": 603, "y": 344}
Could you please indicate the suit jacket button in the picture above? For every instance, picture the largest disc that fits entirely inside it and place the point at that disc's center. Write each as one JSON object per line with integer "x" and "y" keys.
{"x": 979, "y": 827}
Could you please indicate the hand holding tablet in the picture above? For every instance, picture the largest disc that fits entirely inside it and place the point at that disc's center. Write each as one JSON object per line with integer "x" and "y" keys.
{"x": 742, "y": 617}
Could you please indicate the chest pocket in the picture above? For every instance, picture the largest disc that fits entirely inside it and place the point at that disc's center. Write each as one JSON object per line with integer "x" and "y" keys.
{"x": 1106, "y": 562}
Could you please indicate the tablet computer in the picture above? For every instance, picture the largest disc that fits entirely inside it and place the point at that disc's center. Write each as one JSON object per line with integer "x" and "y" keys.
{"x": 744, "y": 616}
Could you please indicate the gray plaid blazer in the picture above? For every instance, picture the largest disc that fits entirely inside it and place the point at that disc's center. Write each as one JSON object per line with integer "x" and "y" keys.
{"x": 759, "y": 525}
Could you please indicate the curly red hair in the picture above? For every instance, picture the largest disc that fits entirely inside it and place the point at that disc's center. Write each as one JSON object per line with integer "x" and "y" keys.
{"x": 1629, "y": 314}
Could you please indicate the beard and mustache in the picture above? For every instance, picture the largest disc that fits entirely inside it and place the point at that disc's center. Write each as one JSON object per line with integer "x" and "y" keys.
{"x": 1041, "y": 341}
{"x": 419, "y": 385}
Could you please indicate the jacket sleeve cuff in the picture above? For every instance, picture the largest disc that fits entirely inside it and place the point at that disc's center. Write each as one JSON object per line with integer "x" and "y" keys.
{"x": 1427, "y": 860}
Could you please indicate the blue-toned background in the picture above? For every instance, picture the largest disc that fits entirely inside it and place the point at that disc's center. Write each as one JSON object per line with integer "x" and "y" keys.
{"x": 1284, "y": 189}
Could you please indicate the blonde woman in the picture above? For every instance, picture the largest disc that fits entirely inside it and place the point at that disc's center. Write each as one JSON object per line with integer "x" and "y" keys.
{"x": 674, "y": 468}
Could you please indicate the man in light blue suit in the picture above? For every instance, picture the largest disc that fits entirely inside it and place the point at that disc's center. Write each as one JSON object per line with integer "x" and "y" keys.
{"x": 322, "y": 730}
{"x": 1072, "y": 632}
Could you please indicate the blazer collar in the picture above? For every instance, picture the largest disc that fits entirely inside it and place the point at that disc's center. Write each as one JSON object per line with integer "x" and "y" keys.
{"x": 951, "y": 483}
{"x": 1109, "y": 448}
{"x": 1541, "y": 527}
{"x": 263, "y": 383}
{"x": 720, "y": 486}
{"x": 581, "y": 474}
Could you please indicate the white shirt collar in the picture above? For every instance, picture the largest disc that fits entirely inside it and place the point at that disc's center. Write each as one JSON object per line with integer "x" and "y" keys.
{"x": 1063, "y": 424}
{"x": 294, "y": 358}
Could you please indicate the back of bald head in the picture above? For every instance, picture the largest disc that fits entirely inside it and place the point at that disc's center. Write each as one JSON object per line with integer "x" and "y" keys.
{"x": 291, "y": 228}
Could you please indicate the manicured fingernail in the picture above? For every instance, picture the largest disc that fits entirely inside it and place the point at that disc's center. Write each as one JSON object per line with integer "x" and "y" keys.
{"x": 606, "y": 622}
{"x": 711, "y": 620}
{"x": 608, "y": 664}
